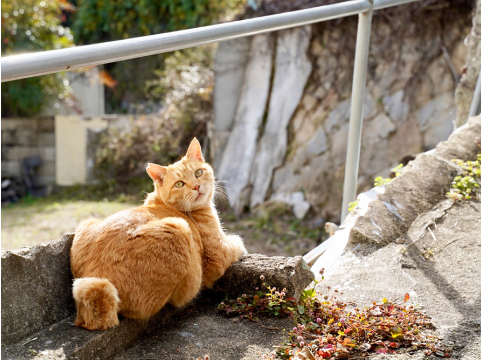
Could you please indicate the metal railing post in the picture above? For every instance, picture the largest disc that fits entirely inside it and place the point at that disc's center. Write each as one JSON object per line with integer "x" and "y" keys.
{"x": 357, "y": 106}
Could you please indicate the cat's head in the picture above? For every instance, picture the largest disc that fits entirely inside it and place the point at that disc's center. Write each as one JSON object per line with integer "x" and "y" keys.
{"x": 187, "y": 184}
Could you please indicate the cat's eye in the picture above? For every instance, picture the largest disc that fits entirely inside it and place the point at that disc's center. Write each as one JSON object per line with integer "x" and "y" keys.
{"x": 198, "y": 173}
{"x": 179, "y": 184}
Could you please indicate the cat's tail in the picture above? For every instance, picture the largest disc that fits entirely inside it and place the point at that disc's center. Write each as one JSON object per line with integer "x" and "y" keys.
{"x": 97, "y": 303}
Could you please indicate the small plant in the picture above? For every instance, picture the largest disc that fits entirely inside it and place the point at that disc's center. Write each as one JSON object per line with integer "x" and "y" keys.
{"x": 465, "y": 184}
{"x": 397, "y": 170}
{"x": 329, "y": 328}
{"x": 353, "y": 204}
{"x": 272, "y": 301}
{"x": 380, "y": 181}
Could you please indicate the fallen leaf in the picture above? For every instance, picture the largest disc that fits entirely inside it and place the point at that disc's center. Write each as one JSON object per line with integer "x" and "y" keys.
{"x": 324, "y": 354}
{"x": 406, "y": 297}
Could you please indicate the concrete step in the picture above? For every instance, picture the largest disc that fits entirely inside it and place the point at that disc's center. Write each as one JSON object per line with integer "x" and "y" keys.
{"x": 63, "y": 340}
{"x": 200, "y": 330}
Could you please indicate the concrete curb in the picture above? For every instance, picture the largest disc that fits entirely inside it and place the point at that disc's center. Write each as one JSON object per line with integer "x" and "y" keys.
{"x": 63, "y": 340}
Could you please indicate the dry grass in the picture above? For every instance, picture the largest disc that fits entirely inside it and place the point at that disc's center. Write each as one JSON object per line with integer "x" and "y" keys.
{"x": 41, "y": 220}
{"x": 46, "y": 220}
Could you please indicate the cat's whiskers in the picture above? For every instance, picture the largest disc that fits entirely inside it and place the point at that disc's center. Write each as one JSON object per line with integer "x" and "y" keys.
{"x": 219, "y": 191}
{"x": 186, "y": 206}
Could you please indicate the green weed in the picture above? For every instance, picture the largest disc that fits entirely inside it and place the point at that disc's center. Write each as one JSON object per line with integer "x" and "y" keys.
{"x": 465, "y": 185}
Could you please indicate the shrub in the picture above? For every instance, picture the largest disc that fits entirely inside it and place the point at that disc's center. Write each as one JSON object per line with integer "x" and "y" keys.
{"x": 185, "y": 85}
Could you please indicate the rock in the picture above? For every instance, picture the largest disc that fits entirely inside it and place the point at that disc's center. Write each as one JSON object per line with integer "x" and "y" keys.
{"x": 436, "y": 119}
{"x": 36, "y": 288}
{"x": 406, "y": 140}
{"x": 465, "y": 89}
{"x": 338, "y": 116}
{"x": 370, "y": 108}
{"x": 440, "y": 128}
{"x": 240, "y": 149}
{"x": 229, "y": 68}
{"x": 317, "y": 144}
{"x": 378, "y": 128}
{"x": 284, "y": 180}
{"x": 374, "y": 158}
{"x": 244, "y": 276}
{"x": 292, "y": 71}
{"x": 296, "y": 200}
{"x": 408, "y": 108}
{"x": 339, "y": 145}
{"x": 423, "y": 184}
{"x": 316, "y": 169}
{"x": 396, "y": 107}
{"x": 309, "y": 102}
{"x": 407, "y": 196}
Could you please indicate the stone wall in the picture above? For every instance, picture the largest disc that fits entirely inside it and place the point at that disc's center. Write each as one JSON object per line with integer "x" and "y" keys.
{"x": 282, "y": 134}
{"x": 29, "y": 137}
{"x": 465, "y": 90}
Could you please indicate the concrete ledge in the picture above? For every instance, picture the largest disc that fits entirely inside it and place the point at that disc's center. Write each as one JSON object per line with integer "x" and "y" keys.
{"x": 244, "y": 276}
{"x": 36, "y": 288}
{"x": 38, "y": 310}
{"x": 63, "y": 340}
{"x": 416, "y": 191}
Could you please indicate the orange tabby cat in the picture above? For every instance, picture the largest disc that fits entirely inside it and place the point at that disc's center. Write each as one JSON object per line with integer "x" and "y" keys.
{"x": 137, "y": 260}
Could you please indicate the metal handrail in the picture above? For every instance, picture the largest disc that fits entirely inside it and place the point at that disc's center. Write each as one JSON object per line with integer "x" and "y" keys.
{"x": 21, "y": 66}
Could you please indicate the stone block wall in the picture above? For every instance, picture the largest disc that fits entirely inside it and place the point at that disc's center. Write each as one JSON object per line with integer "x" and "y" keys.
{"x": 287, "y": 141}
{"x": 29, "y": 137}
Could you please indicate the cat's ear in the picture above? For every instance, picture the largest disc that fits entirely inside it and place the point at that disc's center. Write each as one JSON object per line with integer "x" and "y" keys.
{"x": 195, "y": 152}
{"x": 156, "y": 172}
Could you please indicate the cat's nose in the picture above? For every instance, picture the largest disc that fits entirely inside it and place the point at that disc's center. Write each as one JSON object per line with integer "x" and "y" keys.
{"x": 197, "y": 187}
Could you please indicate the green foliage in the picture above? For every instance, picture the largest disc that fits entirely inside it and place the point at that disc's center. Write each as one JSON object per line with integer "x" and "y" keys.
{"x": 397, "y": 170}
{"x": 380, "y": 181}
{"x": 330, "y": 328}
{"x": 98, "y": 21}
{"x": 466, "y": 184}
{"x": 106, "y": 20}
{"x": 353, "y": 204}
{"x": 185, "y": 85}
{"x": 29, "y": 26}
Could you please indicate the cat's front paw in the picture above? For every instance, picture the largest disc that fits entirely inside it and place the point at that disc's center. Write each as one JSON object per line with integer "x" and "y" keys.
{"x": 238, "y": 245}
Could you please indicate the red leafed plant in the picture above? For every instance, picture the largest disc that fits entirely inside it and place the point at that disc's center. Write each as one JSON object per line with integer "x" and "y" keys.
{"x": 333, "y": 329}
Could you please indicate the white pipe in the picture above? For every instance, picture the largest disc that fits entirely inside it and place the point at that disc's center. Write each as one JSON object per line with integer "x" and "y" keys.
{"x": 357, "y": 107}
